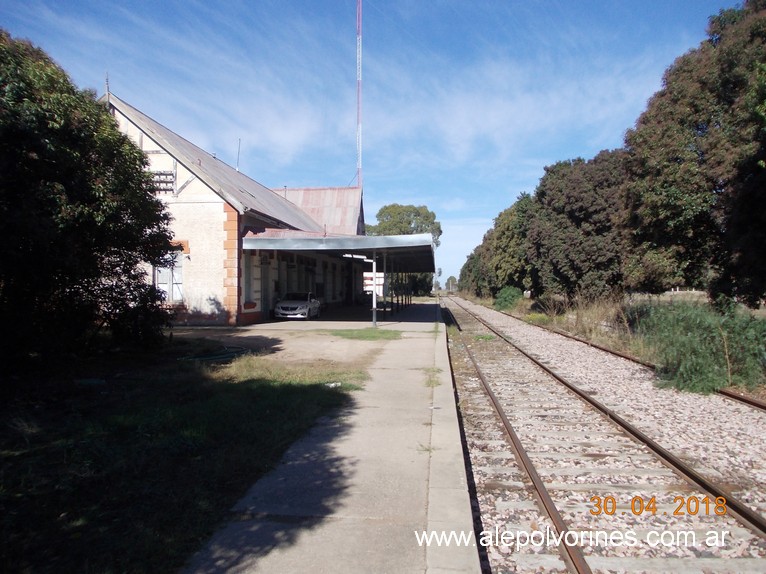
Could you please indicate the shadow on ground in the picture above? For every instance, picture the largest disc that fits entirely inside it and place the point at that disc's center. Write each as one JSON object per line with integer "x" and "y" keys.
{"x": 231, "y": 340}
{"x": 131, "y": 473}
{"x": 302, "y": 492}
{"x": 415, "y": 313}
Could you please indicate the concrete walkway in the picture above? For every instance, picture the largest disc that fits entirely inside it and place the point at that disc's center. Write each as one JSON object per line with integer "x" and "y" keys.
{"x": 350, "y": 496}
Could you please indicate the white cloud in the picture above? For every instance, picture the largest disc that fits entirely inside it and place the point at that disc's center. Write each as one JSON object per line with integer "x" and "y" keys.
{"x": 493, "y": 111}
{"x": 453, "y": 204}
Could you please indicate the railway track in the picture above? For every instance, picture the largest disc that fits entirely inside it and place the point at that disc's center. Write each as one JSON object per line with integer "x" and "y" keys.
{"x": 582, "y": 493}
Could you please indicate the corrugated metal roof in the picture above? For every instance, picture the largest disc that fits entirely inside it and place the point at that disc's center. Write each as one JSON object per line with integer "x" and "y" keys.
{"x": 271, "y": 233}
{"x": 242, "y": 192}
{"x": 406, "y": 253}
{"x": 338, "y": 208}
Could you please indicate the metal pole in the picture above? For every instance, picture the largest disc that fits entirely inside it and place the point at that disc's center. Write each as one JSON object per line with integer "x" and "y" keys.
{"x": 359, "y": 94}
{"x": 374, "y": 290}
{"x": 385, "y": 281}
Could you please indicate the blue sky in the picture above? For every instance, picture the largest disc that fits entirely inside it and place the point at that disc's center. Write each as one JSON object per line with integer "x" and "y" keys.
{"x": 464, "y": 102}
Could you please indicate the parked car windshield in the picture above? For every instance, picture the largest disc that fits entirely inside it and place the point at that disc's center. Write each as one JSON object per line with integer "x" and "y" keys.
{"x": 296, "y": 297}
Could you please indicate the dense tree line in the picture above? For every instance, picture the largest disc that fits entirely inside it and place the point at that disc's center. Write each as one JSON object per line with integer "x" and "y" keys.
{"x": 680, "y": 204}
{"x": 78, "y": 216}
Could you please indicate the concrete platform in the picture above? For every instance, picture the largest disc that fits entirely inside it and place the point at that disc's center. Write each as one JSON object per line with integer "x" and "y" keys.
{"x": 350, "y": 496}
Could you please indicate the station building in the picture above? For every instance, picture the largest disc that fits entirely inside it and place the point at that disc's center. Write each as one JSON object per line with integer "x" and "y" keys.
{"x": 241, "y": 245}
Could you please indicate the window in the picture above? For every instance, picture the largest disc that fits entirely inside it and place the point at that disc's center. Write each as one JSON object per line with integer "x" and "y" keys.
{"x": 252, "y": 278}
{"x": 170, "y": 280}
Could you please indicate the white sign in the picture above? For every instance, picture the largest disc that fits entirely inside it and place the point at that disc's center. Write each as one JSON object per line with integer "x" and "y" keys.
{"x": 379, "y": 283}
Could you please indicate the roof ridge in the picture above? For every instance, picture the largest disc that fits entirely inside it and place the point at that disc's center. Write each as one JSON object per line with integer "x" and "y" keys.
{"x": 234, "y": 186}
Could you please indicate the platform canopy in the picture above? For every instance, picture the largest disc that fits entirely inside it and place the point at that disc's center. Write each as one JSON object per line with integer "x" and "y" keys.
{"x": 403, "y": 253}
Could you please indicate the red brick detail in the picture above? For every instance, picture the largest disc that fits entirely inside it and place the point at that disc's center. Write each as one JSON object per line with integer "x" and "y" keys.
{"x": 183, "y": 244}
{"x": 231, "y": 247}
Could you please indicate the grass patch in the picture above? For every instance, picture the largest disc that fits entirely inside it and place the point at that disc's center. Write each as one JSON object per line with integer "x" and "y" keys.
{"x": 133, "y": 473}
{"x": 369, "y": 334}
{"x": 484, "y": 337}
{"x": 539, "y": 318}
{"x": 432, "y": 377}
{"x": 603, "y": 322}
{"x": 452, "y": 331}
{"x": 698, "y": 349}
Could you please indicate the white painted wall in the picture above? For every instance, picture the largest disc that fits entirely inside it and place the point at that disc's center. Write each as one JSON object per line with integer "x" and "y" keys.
{"x": 197, "y": 217}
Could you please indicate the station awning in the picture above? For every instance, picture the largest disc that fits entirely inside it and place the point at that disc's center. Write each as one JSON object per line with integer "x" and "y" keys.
{"x": 404, "y": 253}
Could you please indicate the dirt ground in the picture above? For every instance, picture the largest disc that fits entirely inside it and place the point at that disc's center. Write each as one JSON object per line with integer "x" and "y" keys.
{"x": 285, "y": 343}
{"x": 306, "y": 342}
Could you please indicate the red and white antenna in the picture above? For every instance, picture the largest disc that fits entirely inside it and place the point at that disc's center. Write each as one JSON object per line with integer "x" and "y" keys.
{"x": 359, "y": 92}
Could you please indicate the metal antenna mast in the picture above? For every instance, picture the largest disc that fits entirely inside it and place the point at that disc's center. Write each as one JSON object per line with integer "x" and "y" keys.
{"x": 359, "y": 92}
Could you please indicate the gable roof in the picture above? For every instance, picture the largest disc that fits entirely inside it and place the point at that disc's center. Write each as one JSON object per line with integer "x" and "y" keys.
{"x": 338, "y": 209}
{"x": 241, "y": 192}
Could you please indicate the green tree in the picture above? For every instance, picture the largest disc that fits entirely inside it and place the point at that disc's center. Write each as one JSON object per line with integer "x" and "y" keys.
{"x": 396, "y": 219}
{"x": 501, "y": 258}
{"x": 78, "y": 215}
{"x": 697, "y": 166}
{"x": 509, "y": 245}
{"x": 477, "y": 276}
{"x": 574, "y": 235}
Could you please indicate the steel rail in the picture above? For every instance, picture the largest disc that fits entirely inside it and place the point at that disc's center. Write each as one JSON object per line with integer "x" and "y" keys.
{"x": 572, "y": 554}
{"x": 757, "y": 521}
{"x": 743, "y": 399}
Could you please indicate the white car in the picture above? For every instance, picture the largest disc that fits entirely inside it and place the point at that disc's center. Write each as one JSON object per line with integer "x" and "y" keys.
{"x": 297, "y": 306}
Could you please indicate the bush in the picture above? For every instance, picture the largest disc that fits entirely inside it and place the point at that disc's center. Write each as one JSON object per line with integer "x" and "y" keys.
{"x": 138, "y": 315}
{"x": 538, "y": 318}
{"x": 700, "y": 350}
{"x": 78, "y": 215}
{"x": 507, "y": 297}
{"x": 551, "y": 304}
